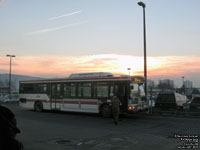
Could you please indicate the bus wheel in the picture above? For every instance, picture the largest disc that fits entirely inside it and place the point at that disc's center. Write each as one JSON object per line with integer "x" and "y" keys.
{"x": 38, "y": 106}
{"x": 105, "y": 111}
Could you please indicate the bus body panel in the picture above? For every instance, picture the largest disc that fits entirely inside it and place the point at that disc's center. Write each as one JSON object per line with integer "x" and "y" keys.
{"x": 79, "y": 105}
{"x": 81, "y": 95}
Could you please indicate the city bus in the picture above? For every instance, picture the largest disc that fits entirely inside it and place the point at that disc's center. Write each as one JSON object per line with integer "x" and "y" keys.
{"x": 84, "y": 92}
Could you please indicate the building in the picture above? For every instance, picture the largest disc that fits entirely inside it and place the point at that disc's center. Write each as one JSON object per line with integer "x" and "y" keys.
{"x": 188, "y": 84}
{"x": 150, "y": 84}
{"x": 166, "y": 84}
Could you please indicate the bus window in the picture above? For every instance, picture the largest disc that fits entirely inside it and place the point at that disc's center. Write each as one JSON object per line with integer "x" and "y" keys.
{"x": 66, "y": 90}
{"x": 116, "y": 90}
{"x": 42, "y": 88}
{"x": 141, "y": 88}
{"x": 72, "y": 90}
{"x": 28, "y": 88}
{"x": 134, "y": 88}
{"x": 111, "y": 91}
{"x": 56, "y": 90}
{"x": 84, "y": 90}
{"x": 101, "y": 91}
{"x": 120, "y": 90}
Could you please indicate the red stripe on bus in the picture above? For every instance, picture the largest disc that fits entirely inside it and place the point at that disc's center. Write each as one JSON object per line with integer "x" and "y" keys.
{"x": 65, "y": 101}
{"x": 33, "y": 100}
{"x": 91, "y": 103}
{"x": 70, "y": 102}
{"x": 30, "y": 100}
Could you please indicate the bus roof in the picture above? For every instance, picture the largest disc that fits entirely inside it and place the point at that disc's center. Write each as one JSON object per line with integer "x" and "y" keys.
{"x": 87, "y": 75}
{"x": 138, "y": 79}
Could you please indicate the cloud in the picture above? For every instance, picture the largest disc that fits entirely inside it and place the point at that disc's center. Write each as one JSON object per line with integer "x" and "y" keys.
{"x": 3, "y": 1}
{"x": 172, "y": 67}
{"x": 55, "y": 28}
{"x": 51, "y": 66}
{"x": 65, "y": 15}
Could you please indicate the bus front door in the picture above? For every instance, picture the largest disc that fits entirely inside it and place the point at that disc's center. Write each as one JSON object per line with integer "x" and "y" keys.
{"x": 121, "y": 93}
{"x": 56, "y": 96}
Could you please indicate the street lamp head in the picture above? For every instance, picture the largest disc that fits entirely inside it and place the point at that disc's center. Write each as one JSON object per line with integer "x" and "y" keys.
{"x": 141, "y": 4}
{"x": 10, "y": 56}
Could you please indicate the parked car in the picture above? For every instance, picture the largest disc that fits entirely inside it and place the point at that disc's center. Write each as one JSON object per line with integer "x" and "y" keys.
{"x": 9, "y": 98}
{"x": 170, "y": 100}
{"x": 194, "y": 105}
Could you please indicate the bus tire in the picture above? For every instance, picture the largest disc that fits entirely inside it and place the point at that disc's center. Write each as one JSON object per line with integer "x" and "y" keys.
{"x": 106, "y": 111}
{"x": 38, "y": 106}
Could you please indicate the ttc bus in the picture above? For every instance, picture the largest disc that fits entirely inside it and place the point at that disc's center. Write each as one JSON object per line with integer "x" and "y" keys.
{"x": 85, "y": 92}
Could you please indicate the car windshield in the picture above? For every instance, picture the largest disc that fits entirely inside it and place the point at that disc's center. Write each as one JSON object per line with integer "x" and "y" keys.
{"x": 196, "y": 100}
{"x": 166, "y": 97}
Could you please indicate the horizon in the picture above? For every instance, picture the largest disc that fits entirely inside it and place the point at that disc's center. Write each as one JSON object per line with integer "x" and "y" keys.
{"x": 177, "y": 82}
{"x": 68, "y": 37}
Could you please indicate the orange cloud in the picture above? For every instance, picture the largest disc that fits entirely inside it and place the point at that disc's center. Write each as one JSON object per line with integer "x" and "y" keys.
{"x": 51, "y": 66}
{"x": 176, "y": 66}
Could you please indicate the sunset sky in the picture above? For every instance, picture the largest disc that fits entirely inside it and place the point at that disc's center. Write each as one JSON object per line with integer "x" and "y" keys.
{"x": 54, "y": 38}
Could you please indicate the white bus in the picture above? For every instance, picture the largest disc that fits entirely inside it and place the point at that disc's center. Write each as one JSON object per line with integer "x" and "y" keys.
{"x": 85, "y": 92}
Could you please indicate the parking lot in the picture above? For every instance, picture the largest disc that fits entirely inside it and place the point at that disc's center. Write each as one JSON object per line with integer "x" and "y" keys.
{"x": 71, "y": 131}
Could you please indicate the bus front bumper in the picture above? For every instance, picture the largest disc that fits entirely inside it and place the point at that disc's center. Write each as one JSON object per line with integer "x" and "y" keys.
{"x": 132, "y": 108}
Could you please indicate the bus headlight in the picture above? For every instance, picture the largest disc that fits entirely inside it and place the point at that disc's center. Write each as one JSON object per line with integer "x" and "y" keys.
{"x": 131, "y": 107}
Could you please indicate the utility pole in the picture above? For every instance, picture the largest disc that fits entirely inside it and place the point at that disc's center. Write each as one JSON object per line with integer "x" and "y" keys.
{"x": 10, "y": 71}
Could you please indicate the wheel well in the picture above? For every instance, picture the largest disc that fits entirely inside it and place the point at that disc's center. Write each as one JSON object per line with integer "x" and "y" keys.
{"x": 37, "y": 101}
{"x": 36, "y": 106}
{"x": 106, "y": 112}
{"x": 102, "y": 105}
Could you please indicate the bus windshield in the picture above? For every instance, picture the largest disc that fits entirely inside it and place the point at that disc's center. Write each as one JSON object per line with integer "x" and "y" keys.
{"x": 137, "y": 91}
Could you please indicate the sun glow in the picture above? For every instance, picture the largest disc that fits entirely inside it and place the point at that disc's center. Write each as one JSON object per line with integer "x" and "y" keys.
{"x": 51, "y": 66}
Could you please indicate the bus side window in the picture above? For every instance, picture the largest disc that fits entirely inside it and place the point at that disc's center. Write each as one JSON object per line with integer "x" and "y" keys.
{"x": 80, "y": 90}
{"x": 72, "y": 89}
{"x": 87, "y": 90}
{"x": 28, "y": 88}
{"x": 101, "y": 91}
{"x": 42, "y": 88}
{"x": 84, "y": 90}
{"x": 111, "y": 91}
{"x": 66, "y": 90}
{"x": 120, "y": 90}
{"x": 58, "y": 89}
{"x": 116, "y": 90}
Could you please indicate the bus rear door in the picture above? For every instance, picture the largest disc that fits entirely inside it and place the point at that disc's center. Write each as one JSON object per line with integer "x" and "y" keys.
{"x": 56, "y": 96}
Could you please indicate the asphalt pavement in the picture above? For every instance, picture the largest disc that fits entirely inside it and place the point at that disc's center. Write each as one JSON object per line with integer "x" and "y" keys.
{"x": 73, "y": 131}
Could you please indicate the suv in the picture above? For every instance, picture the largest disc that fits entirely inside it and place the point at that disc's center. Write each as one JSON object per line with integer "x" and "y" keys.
{"x": 194, "y": 105}
{"x": 170, "y": 100}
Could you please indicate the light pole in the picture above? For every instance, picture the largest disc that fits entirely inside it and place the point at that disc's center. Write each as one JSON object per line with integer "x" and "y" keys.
{"x": 129, "y": 71}
{"x": 145, "y": 57}
{"x": 10, "y": 72}
{"x": 183, "y": 85}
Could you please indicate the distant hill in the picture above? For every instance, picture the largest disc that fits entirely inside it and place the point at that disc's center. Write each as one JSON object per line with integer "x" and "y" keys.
{"x": 4, "y": 81}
